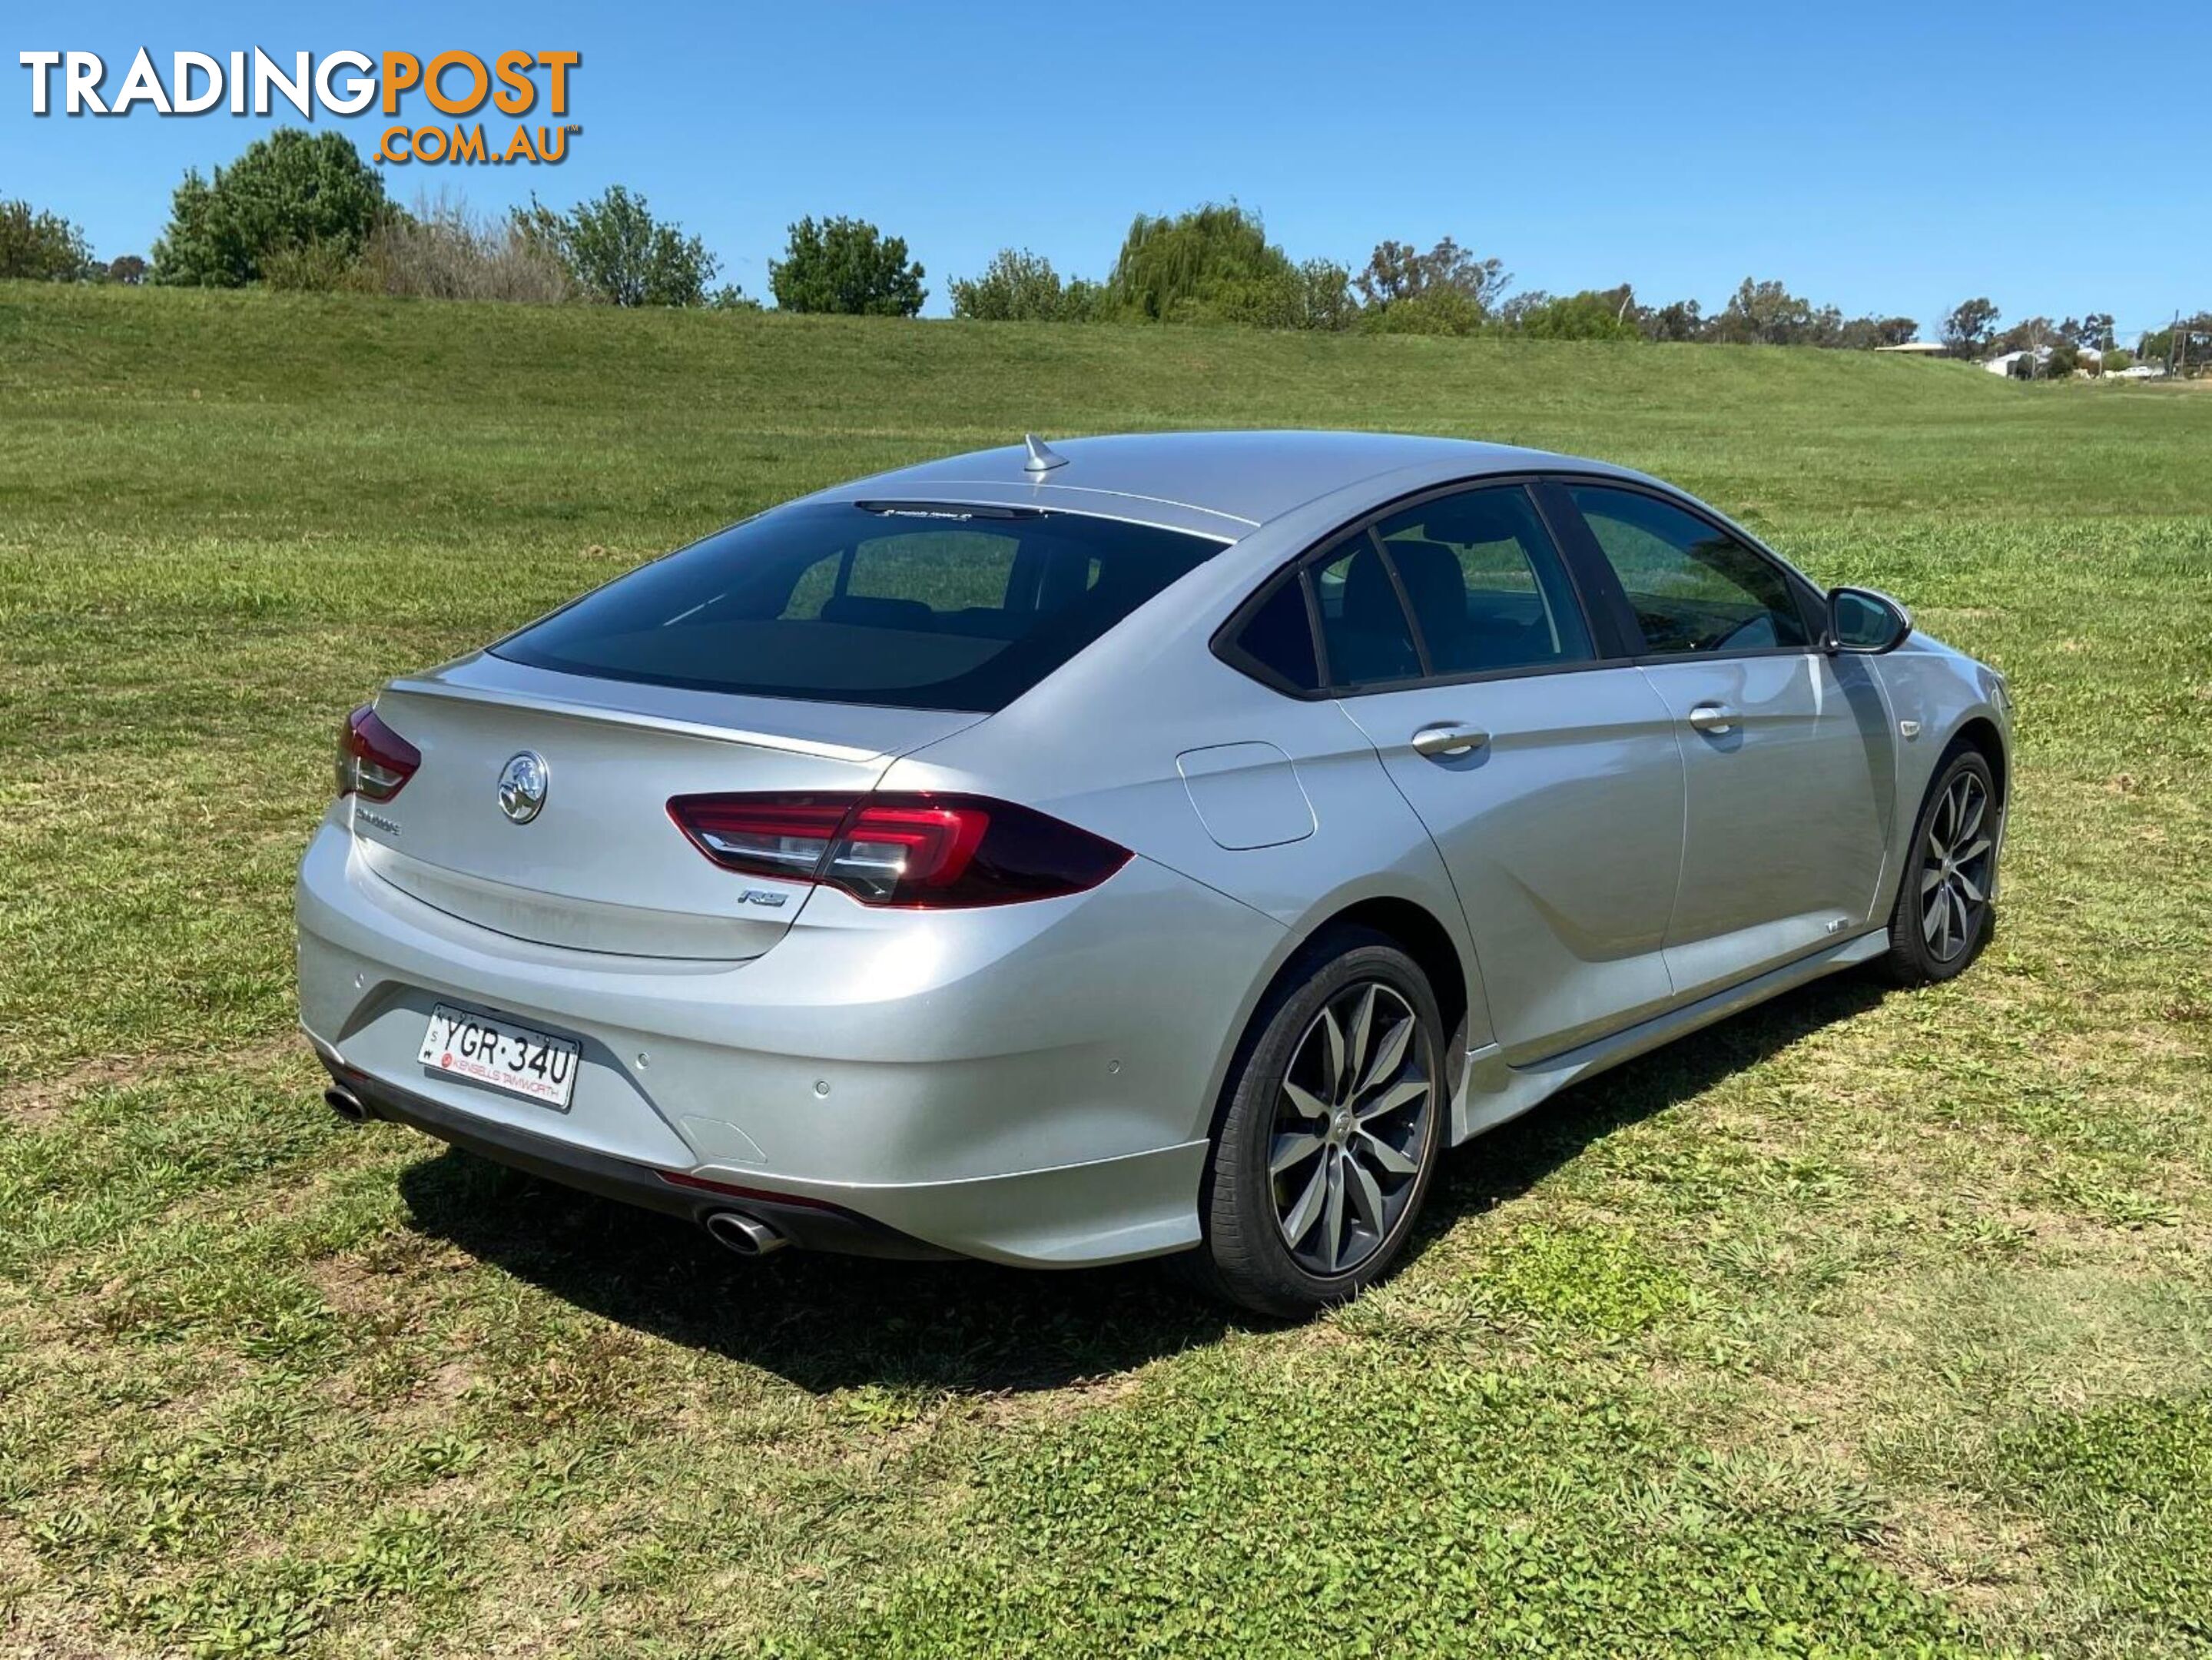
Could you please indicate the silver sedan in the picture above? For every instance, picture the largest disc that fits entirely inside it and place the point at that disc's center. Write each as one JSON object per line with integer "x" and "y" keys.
{"x": 1135, "y": 847}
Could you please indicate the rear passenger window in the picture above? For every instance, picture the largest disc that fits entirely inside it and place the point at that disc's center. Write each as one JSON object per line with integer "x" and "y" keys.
{"x": 1486, "y": 585}
{"x": 1279, "y": 638}
{"x": 1363, "y": 631}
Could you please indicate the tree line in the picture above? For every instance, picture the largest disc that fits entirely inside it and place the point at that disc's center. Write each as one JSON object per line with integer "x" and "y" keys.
{"x": 303, "y": 211}
{"x": 1215, "y": 265}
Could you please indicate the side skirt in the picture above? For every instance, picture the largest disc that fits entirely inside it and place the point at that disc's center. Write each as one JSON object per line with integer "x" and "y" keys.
{"x": 1491, "y": 1092}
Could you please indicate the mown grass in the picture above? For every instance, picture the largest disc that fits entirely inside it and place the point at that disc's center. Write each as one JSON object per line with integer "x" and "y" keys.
{"x": 1858, "y": 1324}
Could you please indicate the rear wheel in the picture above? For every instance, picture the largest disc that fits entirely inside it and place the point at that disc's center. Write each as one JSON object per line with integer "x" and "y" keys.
{"x": 1946, "y": 900}
{"x": 1331, "y": 1134}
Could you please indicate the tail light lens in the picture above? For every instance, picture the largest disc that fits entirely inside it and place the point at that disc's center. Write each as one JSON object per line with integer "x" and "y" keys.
{"x": 928, "y": 852}
{"x": 373, "y": 761}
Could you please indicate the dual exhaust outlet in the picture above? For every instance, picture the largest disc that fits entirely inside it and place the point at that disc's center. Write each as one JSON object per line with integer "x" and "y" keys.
{"x": 733, "y": 1230}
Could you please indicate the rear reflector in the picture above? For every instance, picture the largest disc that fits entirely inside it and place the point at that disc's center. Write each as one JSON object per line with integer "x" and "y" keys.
{"x": 677, "y": 1178}
{"x": 917, "y": 851}
{"x": 373, "y": 761}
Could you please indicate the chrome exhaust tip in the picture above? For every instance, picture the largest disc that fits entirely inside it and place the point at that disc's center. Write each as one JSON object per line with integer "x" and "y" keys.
{"x": 747, "y": 1236}
{"x": 348, "y": 1105}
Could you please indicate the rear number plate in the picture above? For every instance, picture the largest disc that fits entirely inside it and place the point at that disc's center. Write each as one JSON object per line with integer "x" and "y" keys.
{"x": 531, "y": 1064}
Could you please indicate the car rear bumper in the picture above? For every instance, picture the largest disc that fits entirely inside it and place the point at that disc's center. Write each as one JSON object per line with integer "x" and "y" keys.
{"x": 817, "y": 1227}
{"x": 1031, "y": 1085}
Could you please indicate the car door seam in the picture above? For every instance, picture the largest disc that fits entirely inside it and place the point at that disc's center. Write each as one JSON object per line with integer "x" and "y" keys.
{"x": 1682, "y": 850}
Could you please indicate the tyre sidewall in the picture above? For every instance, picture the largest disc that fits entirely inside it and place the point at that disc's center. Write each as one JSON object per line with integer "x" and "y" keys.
{"x": 1259, "y": 1268}
{"x": 1908, "y": 945}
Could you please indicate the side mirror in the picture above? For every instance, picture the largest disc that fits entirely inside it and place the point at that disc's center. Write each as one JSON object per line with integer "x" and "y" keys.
{"x": 1861, "y": 621}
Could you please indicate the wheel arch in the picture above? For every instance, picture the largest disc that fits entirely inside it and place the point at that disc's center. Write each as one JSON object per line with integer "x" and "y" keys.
{"x": 1424, "y": 939}
{"x": 1412, "y": 926}
{"x": 1977, "y": 729}
{"x": 1979, "y": 732}
{"x": 1415, "y": 928}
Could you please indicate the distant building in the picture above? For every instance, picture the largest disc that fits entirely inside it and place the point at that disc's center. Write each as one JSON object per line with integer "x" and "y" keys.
{"x": 1918, "y": 349}
{"x": 2015, "y": 363}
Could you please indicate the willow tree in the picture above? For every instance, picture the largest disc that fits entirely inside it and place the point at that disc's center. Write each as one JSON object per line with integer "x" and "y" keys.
{"x": 1211, "y": 263}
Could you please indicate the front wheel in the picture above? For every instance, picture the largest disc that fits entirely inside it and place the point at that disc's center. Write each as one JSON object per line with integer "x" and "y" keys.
{"x": 1331, "y": 1134}
{"x": 1946, "y": 906}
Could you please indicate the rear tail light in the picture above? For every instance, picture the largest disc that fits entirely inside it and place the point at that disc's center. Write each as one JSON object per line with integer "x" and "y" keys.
{"x": 373, "y": 761}
{"x": 924, "y": 851}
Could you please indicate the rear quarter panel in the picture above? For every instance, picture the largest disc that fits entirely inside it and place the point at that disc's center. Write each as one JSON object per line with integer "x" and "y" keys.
{"x": 1102, "y": 751}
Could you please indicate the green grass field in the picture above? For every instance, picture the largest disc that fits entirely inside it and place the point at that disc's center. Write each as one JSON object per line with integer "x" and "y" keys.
{"x": 1859, "y": 1324}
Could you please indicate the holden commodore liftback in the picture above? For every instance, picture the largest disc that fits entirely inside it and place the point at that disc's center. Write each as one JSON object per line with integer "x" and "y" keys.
{"x": 1157, "y": 845}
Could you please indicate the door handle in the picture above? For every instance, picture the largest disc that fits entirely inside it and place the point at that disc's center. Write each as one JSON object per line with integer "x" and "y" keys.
{"x": 1713, "y": 719}
{"x": 1449, "y": 739}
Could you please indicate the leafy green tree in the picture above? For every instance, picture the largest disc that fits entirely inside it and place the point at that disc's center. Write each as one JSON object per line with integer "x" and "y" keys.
{"x": 1325, "y": 300}
{"x": 1678, "y": 319}
{"x": 1213, "y": 264}
{"x": 1397, "y": 272}
{"x": 1865, "y": 333}
{"x": 2029, "y": 336}
{"x": 848, "y": 267}
{"x": 2093, "y": 331}
{"x": 1967, "y": 330}
{"x": 619, "y": 254}
{"x": 291, "y": 191}
{"x": 1768, "y": 314}
{"x": 43, "y": 248}
{"x": 1434, "y": 311}
{"x": 1021, "y": 287}
{"x": 126, "y": 269}
{"x": 1592, "y": 315}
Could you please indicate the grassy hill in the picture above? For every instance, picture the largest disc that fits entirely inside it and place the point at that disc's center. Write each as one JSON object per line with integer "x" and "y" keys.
{"x": 1860, "y": 1322}
{"x": 449, "y": 412}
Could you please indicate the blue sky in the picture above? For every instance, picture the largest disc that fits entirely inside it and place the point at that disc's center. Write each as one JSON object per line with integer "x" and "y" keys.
{"x": 1892, "y": 158}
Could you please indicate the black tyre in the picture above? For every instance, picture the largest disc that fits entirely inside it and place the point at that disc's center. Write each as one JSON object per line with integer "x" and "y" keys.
{"x": 1330, "y": 1134}
{"x": 1946, "y": 906}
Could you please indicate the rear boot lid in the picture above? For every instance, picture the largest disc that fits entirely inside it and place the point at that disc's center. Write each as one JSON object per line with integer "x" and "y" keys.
{"x": 598, "y": 865}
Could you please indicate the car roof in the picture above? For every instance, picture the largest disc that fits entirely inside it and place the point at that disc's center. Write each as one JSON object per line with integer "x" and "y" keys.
{"x": 1242, "y": 479}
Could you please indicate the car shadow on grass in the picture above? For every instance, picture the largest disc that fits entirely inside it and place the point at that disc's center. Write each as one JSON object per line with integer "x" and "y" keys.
{"x": 827, "y": 1322}
{"x": 1500, "y": 1166}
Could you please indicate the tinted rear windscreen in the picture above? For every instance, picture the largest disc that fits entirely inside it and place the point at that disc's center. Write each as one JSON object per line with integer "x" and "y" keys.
{"x": 923, "y": 606}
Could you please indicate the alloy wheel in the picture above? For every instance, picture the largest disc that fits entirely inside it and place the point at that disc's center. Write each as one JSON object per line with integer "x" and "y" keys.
{"x": 1351, "y": 1128}
{"x": 1955, "y": 868}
